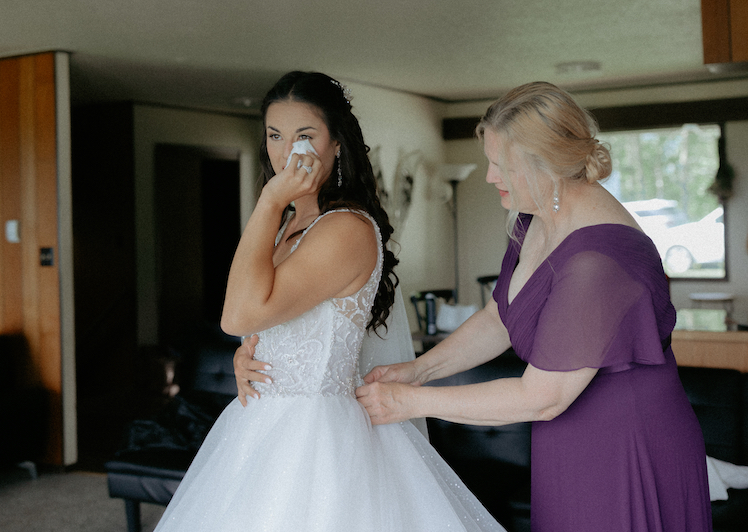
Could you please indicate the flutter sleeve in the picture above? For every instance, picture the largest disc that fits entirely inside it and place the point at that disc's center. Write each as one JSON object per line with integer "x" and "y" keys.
{"x": 596, "y": 315}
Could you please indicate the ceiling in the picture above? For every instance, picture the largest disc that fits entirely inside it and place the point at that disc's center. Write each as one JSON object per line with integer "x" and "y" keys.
{"x": 225, "y": 54}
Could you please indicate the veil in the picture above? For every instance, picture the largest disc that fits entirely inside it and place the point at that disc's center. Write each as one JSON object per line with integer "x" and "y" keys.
{"x": 394, "y": 346}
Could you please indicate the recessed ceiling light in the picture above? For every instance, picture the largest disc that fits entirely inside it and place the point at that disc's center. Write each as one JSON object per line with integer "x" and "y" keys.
{"x": 577, "y": 67}
{"x": 727, "y": 68}
{"x": 243, "y": 101}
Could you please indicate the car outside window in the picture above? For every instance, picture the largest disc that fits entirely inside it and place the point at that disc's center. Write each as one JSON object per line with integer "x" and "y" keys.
{"x": 662, "y": 177}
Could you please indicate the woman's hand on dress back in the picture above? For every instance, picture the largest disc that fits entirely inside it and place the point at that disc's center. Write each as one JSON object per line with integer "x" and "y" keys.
{"x": 403, "y": 372}
{"x": 385, "y": 402}
{"x": 384, "y": 394}
{"x": 247, "y": 369}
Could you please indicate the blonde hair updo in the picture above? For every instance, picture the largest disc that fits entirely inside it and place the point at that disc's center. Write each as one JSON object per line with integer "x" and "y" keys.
{"x": 556, "y": 134}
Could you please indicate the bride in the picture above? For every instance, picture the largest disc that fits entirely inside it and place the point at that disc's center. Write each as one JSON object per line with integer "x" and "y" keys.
{"x": 297, "y": 451}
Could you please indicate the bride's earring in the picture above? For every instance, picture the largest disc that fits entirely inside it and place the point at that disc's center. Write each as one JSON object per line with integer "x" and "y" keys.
{"x": 340, "y": 171}
{"x": 556, "y": 202}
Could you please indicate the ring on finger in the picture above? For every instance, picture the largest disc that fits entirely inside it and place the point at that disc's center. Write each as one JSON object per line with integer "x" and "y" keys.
{"x": 307, "y": 168}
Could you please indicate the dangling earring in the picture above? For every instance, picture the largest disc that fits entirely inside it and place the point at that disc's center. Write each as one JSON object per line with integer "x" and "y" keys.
{"x": 340, "y": 171}
{"x": 556, "y": 202}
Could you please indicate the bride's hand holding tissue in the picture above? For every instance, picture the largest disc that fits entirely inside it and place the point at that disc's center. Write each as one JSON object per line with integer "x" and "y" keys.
{"x": 302, "y": 176}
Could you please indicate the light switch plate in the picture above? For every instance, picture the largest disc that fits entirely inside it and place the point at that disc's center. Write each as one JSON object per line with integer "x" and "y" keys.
{"x": 12, "y": 231}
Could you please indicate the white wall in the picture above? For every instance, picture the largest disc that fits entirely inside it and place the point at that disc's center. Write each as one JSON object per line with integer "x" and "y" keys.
{"x": 158, "y": 125}
{"x": 65, "y": 252}
{"x": 480, "y": 221}
{"x": 399, "y": 124}
{"x": 479, "y": 218}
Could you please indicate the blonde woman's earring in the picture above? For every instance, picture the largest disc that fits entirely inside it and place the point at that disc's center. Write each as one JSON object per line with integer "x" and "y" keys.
{"x": 556, "y": 202}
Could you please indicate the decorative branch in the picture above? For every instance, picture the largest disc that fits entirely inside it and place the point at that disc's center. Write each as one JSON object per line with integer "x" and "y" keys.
{"x": 722, "y": 186}
{"x": 397, "y": 202}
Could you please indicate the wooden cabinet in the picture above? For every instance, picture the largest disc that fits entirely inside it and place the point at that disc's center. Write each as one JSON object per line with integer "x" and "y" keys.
{"x": 724, "y": 31}
{"x": 728, "y": 349}
{"x": 30, "y": 274}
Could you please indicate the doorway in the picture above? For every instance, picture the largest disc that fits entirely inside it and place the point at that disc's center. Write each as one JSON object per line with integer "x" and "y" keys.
{"x": 198, "y": 229}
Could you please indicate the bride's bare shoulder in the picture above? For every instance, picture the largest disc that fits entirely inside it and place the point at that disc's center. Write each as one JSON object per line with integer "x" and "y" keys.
{"x": 347, "y": 230}
{"x": 351, "y": 222}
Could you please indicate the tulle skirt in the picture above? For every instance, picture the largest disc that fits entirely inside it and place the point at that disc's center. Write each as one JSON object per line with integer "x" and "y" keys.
{"x": 289, "y": 464}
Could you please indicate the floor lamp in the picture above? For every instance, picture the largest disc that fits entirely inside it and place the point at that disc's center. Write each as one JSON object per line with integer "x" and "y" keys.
{"x": 454, "y": 174}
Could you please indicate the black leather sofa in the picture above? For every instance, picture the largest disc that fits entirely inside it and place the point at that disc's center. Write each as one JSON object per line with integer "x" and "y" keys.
{"x": 494, "y": 462}
{"x": 156, "y": 452}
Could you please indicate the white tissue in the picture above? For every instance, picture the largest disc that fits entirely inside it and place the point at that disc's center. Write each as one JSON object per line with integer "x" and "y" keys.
{"x": 301, "y": 147}
{"x": 724, "y": 475}
{"x": 717, "y": 488}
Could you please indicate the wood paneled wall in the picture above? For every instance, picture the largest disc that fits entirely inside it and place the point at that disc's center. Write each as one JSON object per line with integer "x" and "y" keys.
{"x": 724, "y": 28}
{"x": 30, "y": 292}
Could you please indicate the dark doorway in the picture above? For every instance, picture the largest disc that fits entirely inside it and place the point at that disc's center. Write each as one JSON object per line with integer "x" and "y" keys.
{"x": 108, "y": 369}
{"x": 198, "y": 228}
{"x": 196, "y": 202}
{"x": 221, "y": 230}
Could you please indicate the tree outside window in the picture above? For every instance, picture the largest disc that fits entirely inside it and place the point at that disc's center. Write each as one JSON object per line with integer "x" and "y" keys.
{"x": 662, "y": 176}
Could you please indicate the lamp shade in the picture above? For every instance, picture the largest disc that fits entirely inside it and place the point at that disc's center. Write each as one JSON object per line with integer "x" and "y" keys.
{"x": 455, "y": 172}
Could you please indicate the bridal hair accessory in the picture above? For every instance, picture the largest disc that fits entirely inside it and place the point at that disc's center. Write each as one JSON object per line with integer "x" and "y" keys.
{"x": 307, "y": 168}
{"x": 340, "y": 171}
{"x": 556, "y": 202}
{"x": 346, "y": 91}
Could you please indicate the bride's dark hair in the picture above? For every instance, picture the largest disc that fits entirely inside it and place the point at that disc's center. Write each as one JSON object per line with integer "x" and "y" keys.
{"x": 358, "y": 189}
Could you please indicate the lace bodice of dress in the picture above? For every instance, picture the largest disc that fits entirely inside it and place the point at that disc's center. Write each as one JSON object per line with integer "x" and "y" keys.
{"x": 317, "y": 353}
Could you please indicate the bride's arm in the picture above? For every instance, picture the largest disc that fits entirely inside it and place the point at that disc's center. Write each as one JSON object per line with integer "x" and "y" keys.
{"x": 334, "y": 259}
{"x": 334, "y": 250}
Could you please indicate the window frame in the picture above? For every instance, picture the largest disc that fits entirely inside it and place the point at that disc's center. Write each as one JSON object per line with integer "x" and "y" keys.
{"x": 725, "y": 216}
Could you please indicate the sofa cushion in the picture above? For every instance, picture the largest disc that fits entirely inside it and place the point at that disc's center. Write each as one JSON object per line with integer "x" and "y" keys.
{"x": 214, "y": 371}
{"x": 159, "y": 463}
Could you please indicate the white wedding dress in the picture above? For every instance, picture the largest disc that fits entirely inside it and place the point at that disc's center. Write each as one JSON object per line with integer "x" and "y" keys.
{"x": 304, "y": 457}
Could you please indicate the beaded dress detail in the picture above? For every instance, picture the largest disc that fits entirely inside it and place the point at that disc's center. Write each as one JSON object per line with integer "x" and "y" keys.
{"x": 305, "y": 456}
{"x": 311, "y": 354}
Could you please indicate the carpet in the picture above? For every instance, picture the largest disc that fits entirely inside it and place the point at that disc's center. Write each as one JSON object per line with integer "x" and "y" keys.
{"x": 64, "y": 502}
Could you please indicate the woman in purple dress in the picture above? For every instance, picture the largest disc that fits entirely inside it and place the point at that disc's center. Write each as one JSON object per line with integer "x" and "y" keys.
{"x": 583, "y": 299}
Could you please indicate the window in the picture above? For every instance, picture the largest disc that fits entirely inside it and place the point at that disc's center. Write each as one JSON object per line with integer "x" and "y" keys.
{"x": 662, "y": 177}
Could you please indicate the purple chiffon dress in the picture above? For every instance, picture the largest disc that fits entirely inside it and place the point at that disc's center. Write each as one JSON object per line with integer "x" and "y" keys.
{"x": 628, "y": 454}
